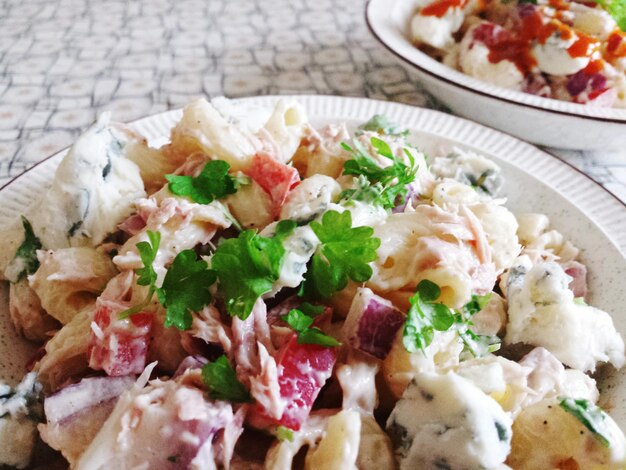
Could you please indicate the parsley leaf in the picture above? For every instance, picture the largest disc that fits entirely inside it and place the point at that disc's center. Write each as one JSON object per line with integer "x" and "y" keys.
{"x": 147, "y": 275}
{"x": 617, "y": 9}
{"x": 425, "y": 316}
{"x": 301, "y": 324}
{"x": 474, "y": 345}
{"x": 185, "y": 288}
{"x": 26, "y": 254}
{"x": 344, "y": 252}
{"x": 212, "y": 183}
{"x": 388, "y": 183}
{"x": 147, "y": 253}
{"x": 592, "y": 416}
{"x": 221, "y": 380}
{"x": 247, "y": 267}
{"x": 383, "y": 125}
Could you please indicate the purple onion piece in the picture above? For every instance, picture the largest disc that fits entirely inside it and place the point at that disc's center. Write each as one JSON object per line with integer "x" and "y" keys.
{"x": 190, "y": 362}
{"x": 372, "y": 324}
{"x": 598, "y": 81}
{"x": 411, "y": 196}
{"x": 87, "y": 393}
{"x": 577, "y": 83}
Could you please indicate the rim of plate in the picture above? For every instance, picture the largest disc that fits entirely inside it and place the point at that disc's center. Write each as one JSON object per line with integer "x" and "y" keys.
{"x": 378, "y": 17}
{"x": 609, "y": 214}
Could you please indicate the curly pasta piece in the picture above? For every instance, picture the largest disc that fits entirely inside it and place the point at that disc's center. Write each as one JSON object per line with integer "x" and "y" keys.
{"x": 69, "y": 279}
{"x": 285, "y": 128}
{"x": 28, "y": 317}
{"x": 66, "y": 352}
{"x": 400, "y": 366}
{"x": 320, "y": 152}
{"x": 202, "y": 128}
{"x": 339, "y": 448}
{"x": 432, "y": 244}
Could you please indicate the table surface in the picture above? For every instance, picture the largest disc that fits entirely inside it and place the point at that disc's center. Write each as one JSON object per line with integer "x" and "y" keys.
{"x": 64, "y": 61}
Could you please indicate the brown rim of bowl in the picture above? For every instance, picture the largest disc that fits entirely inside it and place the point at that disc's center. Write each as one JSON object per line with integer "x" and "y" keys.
{"x": 623, "y": 203}
{"x": 479, "y": 92}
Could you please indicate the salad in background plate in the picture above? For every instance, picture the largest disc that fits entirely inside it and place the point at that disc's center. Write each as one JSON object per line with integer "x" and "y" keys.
{"x": 566, "y": 50}
{"x": 259, "y": 286}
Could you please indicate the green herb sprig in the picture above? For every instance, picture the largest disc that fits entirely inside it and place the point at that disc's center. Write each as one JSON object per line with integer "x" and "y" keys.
{"x": 248, "y": 266}
{"x": 344, "y": 253}
{"x": 213, "y": 182}
{"x": 388, "y": 183}
{"x": 220, "y": 379}
{"x": 307, "y": 334}
{"x": 185, "y": 287}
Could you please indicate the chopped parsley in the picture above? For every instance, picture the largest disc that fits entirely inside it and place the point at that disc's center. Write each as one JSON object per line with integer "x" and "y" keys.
{"x": 185, "y": 286}
{"x": 248, "y": 266}
{"x": 474, "y": 345}
{"x": 146, "y": 275}
{"x": 344, "y": 253}
{"x": 592, "y": 416}
{"x": 26, "y": 254}
{"x": 212, "y": 183}
{"x": 185, "y": 289}
{"x": 220, "y": 379}
{"x": 383, "y": 125}
{"x": 388, "y": 183}
{"x": 301, "y": 324}
{"x": 427, "y": 316}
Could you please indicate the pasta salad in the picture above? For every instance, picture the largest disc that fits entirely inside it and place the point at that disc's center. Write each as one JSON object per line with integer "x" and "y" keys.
{"x": 264, "y": 293}
{"x": 563, "y": 49}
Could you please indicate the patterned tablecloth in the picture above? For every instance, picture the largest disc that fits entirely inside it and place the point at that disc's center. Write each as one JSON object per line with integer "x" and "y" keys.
{"x": 64, "y": 61}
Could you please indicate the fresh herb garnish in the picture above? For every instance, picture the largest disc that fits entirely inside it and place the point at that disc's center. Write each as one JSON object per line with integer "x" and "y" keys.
{"x": 475, "y": 345}
{"x": 27, "y": 251}
{"x": 212, "y": 183}
{"x": 344, "y": 253}
{"x": 185, "y": 289}
{"x": 383, "y": 125}
{"x": 247, "y": 267}
{"x": 283, "y": 433}
{"x": 388, "y": 183}
{"x": 617, "y": 9}
{"x": 221, "y": 380}
{"x": 427, "y": 316}
{"x": 592, "y": 416}
{"x": 301, "y": 324}
{"x": 185, "y": 286}
{"x": 146, "y": 275}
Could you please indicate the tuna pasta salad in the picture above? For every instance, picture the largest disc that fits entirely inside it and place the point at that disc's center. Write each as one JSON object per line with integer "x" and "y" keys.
{"x": 567, "y": 50}
{"x": 261, "y": 292}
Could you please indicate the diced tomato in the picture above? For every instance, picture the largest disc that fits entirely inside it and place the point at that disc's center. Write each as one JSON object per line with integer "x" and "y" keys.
{"x": 303, "y": 369}
{"x": 276, "y": 178}
{"x": 119, "y": 347}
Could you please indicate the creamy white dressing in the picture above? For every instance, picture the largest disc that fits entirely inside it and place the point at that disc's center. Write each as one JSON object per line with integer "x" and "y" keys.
{"x": 459, "y": 426}
{"x": 542, "y": 312}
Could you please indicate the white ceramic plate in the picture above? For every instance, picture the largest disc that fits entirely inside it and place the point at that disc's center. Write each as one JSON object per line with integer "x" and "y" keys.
{"x": 590, "y": 216}
{"x": 540, "y": 120}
